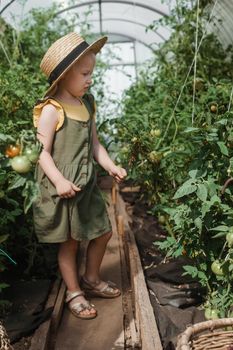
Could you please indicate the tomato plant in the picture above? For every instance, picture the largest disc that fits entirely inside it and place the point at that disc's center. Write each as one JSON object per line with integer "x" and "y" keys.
{"x": 182, "y": 171}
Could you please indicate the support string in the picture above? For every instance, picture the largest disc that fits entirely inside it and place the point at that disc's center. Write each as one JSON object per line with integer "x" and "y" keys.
{"x": 185, "y": 81}
{"x": 195, "y": 62}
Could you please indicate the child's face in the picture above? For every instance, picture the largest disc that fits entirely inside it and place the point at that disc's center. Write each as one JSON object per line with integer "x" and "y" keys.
{"x": 79, "y": 78}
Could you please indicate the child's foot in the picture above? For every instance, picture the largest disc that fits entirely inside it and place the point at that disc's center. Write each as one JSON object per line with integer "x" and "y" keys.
{"x": 100, "y": 288}
{"x": 79, "y": 306}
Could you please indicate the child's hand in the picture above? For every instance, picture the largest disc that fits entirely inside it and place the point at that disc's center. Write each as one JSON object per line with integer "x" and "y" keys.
{"x": 66, "y": 189}
{"x": 118, "y": 173}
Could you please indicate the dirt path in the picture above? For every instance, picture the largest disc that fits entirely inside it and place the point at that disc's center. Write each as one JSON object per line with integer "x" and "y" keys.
{"x": 106, "y": 332}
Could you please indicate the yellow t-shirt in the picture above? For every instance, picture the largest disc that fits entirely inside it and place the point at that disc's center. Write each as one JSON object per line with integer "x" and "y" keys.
{"x": 79, "y": 112}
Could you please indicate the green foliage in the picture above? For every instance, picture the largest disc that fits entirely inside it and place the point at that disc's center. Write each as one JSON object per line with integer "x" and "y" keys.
{"x": 182, "y": 169}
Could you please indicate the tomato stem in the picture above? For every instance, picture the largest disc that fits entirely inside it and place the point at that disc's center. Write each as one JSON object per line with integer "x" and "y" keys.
{"x": 168, "y": 227}
{"x": 224, "y": 246}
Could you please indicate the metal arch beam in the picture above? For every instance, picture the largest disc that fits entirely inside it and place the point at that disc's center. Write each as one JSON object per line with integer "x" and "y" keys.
{"x": 6, "y": 6}
{"x": 128, "y": 21}
{"x": 125, "y": 2}
{"x": 100, "y": 16}
{"x": 131, "y": 39}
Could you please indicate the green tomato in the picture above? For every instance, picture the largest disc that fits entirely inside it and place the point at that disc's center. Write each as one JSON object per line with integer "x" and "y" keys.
{"x": 162, "y": 219}
{"x": 134, "y": 139}
{"x": 211, "y": 314}
{"x": 155, "y": 157}
{"x": 198, "y": 84}
{"x": 31, "y": 153}
{"x": 216, "y": 268}
{"x": 124, "y": 149}
{"x": 229, "y": 239}
{"x": 21, "y": 164}
{"x": 155, "y": 132}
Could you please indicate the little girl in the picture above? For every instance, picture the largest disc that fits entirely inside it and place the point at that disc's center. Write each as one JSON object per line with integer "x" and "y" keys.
{"x": 70, "y": 207}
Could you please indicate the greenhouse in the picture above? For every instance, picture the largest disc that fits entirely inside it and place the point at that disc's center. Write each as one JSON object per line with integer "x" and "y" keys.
{"x": 116, "y": 175}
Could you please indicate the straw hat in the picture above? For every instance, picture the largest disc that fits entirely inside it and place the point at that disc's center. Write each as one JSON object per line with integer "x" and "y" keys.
{"x": 63, "y": 53}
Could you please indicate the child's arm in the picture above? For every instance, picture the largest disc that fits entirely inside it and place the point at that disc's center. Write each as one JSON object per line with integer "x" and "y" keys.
{"x": 102, "y": 157}
{"x": 45, "y": 133}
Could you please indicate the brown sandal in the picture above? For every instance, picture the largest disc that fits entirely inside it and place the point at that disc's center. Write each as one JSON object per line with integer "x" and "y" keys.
{"x": 110, "y": 290}
{"x": 77, "y": 308}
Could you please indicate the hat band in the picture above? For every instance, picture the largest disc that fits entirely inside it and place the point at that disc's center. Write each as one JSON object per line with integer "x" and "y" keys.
{"x": 67, "y": 61}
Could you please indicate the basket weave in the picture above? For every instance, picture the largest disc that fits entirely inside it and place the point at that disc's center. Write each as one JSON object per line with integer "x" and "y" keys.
{"x": 208, "y": 335}
{"x": 4, "y": 339}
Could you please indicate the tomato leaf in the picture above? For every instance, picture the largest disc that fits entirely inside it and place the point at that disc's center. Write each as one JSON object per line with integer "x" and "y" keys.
{"x": 3, "y": 238}
{"x": 18, "y": 182}
{"x": 198, "y": 224}
{"x": 223, "y": 148}
{"x": 191, "y": 129}
{"x": 30, "y": 193}
{"x": 6, "y": 138}
{"x": 220, "y": 234}
{"x": 202, "y": 192}
{"x": 222, "y": 228}
{"x": 185, "y": 189}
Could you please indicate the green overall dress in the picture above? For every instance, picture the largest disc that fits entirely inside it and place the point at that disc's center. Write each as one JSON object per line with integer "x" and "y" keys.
{"x": 83, "y": 217}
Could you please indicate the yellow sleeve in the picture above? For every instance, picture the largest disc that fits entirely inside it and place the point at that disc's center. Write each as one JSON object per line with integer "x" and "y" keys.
{"x": 38, "y": 109}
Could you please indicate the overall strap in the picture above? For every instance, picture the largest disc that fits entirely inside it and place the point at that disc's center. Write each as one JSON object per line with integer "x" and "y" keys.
{"x": 88, "y": 100}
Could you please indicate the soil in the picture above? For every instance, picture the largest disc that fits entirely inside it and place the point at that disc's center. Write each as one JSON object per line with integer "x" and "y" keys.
{"x": 23, "y": 344}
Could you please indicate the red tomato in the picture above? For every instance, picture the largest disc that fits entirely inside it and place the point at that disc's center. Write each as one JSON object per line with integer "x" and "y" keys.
{"x": 12, "y": 151}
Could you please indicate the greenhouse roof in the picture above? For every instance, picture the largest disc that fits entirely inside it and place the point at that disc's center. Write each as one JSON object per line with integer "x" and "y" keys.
{"x": 126, "y": 22}
{"x": 121, "y": 20}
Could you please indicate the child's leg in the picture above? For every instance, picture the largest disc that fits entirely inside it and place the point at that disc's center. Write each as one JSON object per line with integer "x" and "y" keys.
{"x": 68, "y": 267}
{"x": 91, "y": 279}
{"x": 95, "y": 253}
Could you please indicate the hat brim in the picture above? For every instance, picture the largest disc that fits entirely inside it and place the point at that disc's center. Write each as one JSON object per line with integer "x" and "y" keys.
{"x": 95, "y": 47}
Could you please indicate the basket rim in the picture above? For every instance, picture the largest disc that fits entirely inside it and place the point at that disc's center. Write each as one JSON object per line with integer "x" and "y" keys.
{"x": 184, "y": 337}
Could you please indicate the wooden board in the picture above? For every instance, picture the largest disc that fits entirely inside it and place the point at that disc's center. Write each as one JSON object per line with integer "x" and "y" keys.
{"x": 132, "y": 335}
{"x": 144, "y": 314}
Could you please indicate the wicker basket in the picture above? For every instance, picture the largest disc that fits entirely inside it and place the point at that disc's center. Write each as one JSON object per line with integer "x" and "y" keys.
{"x": 4, "y": 339}
{"x": 208, "y": 335}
